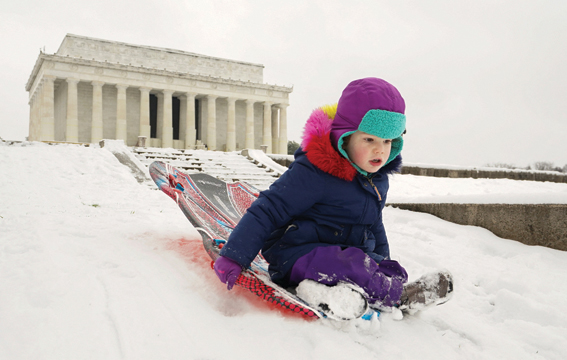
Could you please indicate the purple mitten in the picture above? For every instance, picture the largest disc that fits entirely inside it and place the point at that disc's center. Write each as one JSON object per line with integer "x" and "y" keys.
{"x": 393, "y": 269}
{"x": 227, "y": 270}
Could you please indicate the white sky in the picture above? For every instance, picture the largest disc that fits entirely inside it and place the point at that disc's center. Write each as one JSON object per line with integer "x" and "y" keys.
{"x": 484, "y": 81}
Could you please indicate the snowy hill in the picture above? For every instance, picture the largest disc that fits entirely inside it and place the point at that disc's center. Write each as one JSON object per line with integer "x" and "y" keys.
{"x": 94, "y": 265}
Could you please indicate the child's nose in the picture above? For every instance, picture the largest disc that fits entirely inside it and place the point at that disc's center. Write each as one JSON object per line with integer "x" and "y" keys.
{"x": 379, "y": 149}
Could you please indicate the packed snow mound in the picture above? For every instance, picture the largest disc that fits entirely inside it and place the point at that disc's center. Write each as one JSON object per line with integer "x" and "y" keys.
{"x": 94, "y": 265}
{"x": 342, "y": 301}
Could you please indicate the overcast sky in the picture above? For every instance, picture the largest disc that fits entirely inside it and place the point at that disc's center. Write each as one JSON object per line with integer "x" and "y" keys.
{"x": 485, "y": 81}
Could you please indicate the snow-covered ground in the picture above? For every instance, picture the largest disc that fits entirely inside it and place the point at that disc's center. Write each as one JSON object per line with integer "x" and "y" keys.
{"x": 94, "y": 265}
{"x": 424, "y": 189}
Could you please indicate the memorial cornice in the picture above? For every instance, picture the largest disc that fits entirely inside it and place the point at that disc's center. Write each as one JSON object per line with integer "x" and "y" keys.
{"x": 156, "y": 49}
{"x": 42, "y": 58}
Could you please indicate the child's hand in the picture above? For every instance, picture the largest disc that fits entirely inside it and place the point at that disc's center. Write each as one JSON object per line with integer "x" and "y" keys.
{"x": 393, "y": 269}
{"x": 227, "y": 270}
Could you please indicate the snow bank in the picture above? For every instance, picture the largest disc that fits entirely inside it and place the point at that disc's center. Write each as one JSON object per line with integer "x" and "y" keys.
{"x": 262, "y": 158}
{"x": 424, "y": 189}
{"x": 127, "y": 158}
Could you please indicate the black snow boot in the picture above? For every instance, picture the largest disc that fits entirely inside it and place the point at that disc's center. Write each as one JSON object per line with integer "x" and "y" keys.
{"x": 429, "y": 290}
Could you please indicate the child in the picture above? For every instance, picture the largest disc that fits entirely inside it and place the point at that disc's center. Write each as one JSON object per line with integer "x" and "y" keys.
{"x": 321, "y": 221}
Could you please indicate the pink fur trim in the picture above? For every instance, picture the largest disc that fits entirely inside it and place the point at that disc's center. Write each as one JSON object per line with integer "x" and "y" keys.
{"x": 317, "y": 125}
{"x": 319, "y": 150}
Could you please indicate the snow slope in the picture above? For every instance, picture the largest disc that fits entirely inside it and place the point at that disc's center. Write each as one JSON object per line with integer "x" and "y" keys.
{"x": 95, "y": 266}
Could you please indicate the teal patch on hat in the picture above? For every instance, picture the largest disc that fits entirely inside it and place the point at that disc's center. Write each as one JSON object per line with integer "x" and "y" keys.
{"x": 384, "y": 124}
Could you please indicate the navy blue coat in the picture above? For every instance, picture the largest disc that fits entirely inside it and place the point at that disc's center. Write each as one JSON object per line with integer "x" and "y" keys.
{"x": 314, "y": 205}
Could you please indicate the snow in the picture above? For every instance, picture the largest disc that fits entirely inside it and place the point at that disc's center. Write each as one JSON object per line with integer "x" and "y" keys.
{"x": 424, "y": 189}
{"x": 343, "y": 301}
{"x": 261, "y": 157}
{"x": 480, "y": 168}
{"x": 94, "y": 265}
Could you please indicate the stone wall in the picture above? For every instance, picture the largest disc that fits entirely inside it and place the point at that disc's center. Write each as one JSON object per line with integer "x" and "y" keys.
{"x": 283, "y": 160}
{"x": 537, "y": 224}
{"x": 486, "y": 174}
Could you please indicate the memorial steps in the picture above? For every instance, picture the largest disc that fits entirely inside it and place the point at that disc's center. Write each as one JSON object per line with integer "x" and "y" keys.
{"x": 250, "y": 166}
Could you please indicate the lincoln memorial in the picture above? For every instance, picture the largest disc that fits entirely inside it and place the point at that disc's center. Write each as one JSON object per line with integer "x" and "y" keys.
{"x": 93, "y": 89}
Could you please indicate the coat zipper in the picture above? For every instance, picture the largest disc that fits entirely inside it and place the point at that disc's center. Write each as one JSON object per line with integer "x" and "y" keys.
{"x": 375, "y": 188}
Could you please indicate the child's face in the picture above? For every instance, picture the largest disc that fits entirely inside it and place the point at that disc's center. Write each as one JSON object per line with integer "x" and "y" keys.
{"x": 367, "y": 151}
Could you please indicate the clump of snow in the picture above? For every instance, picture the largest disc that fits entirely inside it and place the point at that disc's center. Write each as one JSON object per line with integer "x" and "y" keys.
{"x": 94, "y": 265}
{"x": 342, "y": 301}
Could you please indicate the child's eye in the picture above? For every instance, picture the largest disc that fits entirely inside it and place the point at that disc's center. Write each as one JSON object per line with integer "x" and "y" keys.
{"x": 368, "y": 139}
{"x": 388, "y": 141}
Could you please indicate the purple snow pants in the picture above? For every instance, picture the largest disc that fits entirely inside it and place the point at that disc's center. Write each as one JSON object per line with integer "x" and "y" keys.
{"x": 328, "y": 265}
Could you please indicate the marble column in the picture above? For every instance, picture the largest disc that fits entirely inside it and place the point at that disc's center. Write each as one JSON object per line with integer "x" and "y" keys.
{"x": 275, "y": 131}
{"x": 145, "y": 128}
{"x": 249, "y": 142}
{"x": 283, "y": 129}
{"x": 31, "y": 133}
{"x": 35, "y": 120}
{"x": 167, "y": 130}
{"x": 121, "y": 124}
{"x": 72, "y": 123}
{"x": 212, "y": 122}
{"x": 231, "y": 125}
{"x": 190, "y": 132}
{"x": 267, "y": 133}
{"x": 96, "y": 124}
{"x": 47, "y": 129}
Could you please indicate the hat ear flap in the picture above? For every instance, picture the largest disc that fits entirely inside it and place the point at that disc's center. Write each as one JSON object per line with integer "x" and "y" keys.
{"x": 397, "y": 145}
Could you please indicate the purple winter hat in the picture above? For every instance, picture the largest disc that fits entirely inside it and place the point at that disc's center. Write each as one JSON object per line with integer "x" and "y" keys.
{"x": 371, "y": 105}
